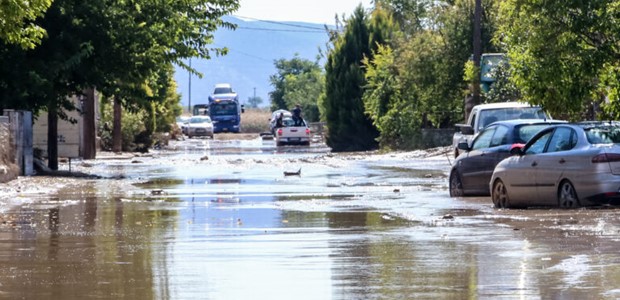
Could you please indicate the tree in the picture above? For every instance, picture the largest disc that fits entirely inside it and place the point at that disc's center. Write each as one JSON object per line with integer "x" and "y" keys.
{"x": 117, "y": 47}
{"x": 564, "y": 55}
{"x": 297, "y": 81}
{"x": 349, "y": 128}
{"x": 17, "y": 22}
{"x": 254, "y": 102}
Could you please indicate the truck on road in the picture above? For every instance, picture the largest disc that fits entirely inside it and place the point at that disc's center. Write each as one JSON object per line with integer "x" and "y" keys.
{"x": 223, "y": 108}
{"x": 484, "y": 114}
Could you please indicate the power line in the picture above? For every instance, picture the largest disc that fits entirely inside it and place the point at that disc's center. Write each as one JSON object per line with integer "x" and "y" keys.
{"x": 282, "y": 23}
{"x": 280, "y": 30}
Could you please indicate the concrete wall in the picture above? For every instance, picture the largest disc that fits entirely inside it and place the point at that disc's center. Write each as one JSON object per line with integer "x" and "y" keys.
{"x": 432, "y": 138}
{"x": 69, "y": 135}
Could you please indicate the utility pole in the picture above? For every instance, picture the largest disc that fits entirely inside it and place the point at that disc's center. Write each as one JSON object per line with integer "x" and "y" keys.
{"x": 475, "y": 98}
{"x": 189, "y": 105}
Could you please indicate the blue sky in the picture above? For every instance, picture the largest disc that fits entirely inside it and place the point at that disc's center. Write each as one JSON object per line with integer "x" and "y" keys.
{"x": 312, "y": 11}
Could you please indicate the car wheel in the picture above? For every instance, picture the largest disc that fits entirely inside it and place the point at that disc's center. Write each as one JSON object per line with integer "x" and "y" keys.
{"x": 456, "y": 185}
{"x": 456, "y": 153}
{"x": 567, "y": 196}
{"x": 500, "y": 195}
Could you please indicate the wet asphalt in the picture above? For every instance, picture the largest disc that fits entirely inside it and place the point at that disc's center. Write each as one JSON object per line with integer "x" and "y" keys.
{"x": 220, "y": 219}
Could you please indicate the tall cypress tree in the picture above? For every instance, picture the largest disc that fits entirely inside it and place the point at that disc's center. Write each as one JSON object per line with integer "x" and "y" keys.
{"x": 349, "y": 128}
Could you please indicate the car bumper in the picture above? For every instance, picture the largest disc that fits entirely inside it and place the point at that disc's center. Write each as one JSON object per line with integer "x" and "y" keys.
{"x": 293, "y": 140}
{"x": 200, "y": 132}
{"x": 598, "y": 188}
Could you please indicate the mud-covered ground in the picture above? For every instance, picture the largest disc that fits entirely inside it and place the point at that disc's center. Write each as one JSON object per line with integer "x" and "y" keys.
{"x": 220, "y": 220}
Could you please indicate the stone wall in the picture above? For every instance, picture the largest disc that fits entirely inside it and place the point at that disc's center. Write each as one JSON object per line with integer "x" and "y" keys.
{"x": 8, "y": 168}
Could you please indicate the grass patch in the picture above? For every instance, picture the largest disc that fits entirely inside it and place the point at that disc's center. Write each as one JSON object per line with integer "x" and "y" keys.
{"x": 255, "y": 120}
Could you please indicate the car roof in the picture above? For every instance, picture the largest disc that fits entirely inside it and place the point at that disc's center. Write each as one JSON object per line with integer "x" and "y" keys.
{"x": 516, "y": 122}
{"x": 504, "y": 105}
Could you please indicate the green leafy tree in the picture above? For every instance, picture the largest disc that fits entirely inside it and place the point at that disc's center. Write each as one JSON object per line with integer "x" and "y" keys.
{"x": 254, "y": 101}
{"x": 342, "y": 108}
{"x": 502, "y": 89}
{"x": 17, "y": 22}
{"x": 564, "y": 55}
{"x": 297, "y": 81}
{"x": 117, "y": 47}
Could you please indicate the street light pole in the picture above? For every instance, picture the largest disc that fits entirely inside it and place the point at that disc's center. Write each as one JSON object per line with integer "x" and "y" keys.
{"x": 189, "y": 105}
{"x": 475, "y": 98}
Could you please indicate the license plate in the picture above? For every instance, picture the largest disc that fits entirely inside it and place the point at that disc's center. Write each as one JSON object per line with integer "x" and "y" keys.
{"x": 294, "y": 139}
{"x": 200, "y": 130}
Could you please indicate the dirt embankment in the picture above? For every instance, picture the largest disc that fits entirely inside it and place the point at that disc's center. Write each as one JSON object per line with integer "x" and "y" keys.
{"x": 8, "y": 169}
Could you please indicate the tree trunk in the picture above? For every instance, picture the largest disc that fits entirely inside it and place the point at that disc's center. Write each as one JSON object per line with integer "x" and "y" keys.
{"x": 117, "y": 135}
{"x": 52, "y": 137}
{"x": 89, "y": 133}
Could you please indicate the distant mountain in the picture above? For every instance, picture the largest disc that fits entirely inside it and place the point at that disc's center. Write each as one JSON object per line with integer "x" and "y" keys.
{"x": 253, "y": 48}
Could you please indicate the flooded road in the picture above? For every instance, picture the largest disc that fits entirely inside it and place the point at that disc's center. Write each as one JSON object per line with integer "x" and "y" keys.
{"x": 220, "y": 220}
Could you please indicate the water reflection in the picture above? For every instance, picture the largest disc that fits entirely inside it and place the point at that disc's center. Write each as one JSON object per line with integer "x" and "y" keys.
{"x": 235, "y": 227}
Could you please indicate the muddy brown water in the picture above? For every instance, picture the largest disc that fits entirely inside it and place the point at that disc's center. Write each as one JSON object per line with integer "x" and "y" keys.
{"x": 219, "y": 220}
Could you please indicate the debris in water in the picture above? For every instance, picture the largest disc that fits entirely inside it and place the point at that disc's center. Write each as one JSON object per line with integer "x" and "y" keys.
{"x": 157, "y": 192}
{"x": 448, "y": 217}
{"x": 289, "y": 173}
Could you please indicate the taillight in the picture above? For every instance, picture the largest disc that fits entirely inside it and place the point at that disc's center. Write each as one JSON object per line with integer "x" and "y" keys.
{"x": 280, "y": 132}
{"x": 307, "y": 131}
{"x": 606, "y": 158}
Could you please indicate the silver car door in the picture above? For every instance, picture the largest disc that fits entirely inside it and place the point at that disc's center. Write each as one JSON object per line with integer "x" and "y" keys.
{"x": 523, "y": 181}
{"x": 552, "y": 163}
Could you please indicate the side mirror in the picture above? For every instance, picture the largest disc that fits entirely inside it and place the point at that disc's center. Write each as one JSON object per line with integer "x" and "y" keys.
{"x": 517, "y": 149}
{"x": 463, "y": 146}
{"x": 467, "y": 130}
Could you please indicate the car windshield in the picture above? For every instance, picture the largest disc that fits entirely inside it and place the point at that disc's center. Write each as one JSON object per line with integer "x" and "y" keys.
{"x": 223, "y": 109}
{"x": 607, "y": 134}
{"x": 525, "y": 132}
{"x": 200, "y": 120}
{"x": 222, "y": 90}
{"x": 489, "y": 116}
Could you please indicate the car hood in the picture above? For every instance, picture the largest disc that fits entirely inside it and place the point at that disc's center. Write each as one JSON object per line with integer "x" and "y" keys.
{"x": 200, "y": 124}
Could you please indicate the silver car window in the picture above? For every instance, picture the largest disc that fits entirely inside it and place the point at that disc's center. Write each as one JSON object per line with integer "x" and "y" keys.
{"x": 603, "y": 135}
{"x": 561, "y": 140}
{"x": 538, "y": 146}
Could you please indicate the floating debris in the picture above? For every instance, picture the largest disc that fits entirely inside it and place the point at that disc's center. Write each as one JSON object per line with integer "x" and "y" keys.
{"x": 448, "y": 217}
{"x": 158, "y": 192}
{"x": 290, "y": 173}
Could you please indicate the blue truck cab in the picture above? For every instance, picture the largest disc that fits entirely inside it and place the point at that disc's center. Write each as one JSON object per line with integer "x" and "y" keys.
{"x": 223, "y": 108}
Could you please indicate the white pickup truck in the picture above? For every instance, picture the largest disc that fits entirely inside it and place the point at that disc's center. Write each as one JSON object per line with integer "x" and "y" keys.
{"x": 290, "y": 133}
{"x": 484, "y": 114}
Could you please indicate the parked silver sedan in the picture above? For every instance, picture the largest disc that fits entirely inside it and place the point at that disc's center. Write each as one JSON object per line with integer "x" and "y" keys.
{"x": 564, "y": 165}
